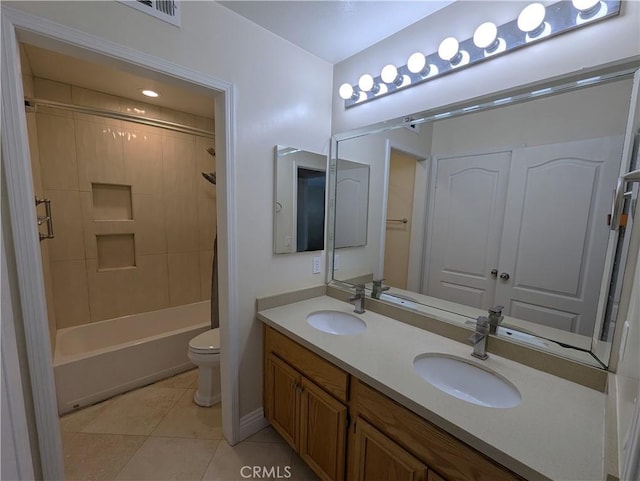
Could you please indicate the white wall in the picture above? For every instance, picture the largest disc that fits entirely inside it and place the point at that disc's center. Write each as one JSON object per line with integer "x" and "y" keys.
{"x": 613, "y": 40}
{"x": 282, "y": 97}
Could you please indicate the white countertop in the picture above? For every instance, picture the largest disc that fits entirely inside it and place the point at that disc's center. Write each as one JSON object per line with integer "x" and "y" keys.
{"x": 557, "y": 431}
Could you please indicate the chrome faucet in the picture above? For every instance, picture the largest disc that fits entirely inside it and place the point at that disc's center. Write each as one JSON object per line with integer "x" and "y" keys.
{"x": 378, "y": 289}
{"x": 479, "y": 338}
{"x": 358, "y": 299}
{"x": 495, "y": 318}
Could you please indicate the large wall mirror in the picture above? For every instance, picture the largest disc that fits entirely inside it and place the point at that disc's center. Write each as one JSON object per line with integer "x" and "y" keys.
{"x": 299, "y": 204}
{"x": 502, "y": 203}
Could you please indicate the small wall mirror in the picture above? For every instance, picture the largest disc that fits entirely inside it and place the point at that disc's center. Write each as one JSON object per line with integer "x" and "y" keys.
{"x": 299, "y": 201}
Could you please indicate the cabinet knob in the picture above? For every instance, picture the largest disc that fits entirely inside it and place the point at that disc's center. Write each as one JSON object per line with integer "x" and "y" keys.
{"x": 494, "y": 273}
{"x": 505, "y": 276}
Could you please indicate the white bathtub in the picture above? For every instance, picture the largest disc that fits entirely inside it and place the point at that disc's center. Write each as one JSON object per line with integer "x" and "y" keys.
{"x": 95, "y": 361}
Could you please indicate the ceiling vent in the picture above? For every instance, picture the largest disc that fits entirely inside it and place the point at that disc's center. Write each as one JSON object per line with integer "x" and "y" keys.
{"x": 166, "y": 10}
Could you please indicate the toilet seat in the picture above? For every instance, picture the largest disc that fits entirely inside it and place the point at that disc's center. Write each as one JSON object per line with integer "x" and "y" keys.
{"x": 206, "y": 343}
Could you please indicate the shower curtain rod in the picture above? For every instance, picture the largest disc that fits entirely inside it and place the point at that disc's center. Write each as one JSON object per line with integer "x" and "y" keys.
{"x": 32, "y": 103}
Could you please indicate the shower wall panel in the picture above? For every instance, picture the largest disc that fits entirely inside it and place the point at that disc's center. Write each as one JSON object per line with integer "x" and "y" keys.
{"x": 172, "y": 217}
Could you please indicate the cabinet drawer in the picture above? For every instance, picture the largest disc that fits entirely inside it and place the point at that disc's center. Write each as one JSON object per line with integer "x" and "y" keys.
{"x": 453, "y": 459}
{"x": 323, "y": 373}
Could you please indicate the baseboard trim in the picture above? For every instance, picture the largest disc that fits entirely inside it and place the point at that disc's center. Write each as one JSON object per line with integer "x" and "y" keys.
{"x": 252, "y": 423}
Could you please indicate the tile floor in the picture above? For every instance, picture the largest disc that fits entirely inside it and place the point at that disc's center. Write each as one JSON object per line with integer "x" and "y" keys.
{"x": 157, "y": 433}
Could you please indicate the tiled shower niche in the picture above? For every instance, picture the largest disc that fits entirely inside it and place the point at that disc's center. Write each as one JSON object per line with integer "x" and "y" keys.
{"x": 115, "y": 251}
{"x": 111, "y": 202}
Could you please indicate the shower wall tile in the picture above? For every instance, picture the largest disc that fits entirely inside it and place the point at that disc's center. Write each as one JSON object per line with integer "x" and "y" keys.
{"x": 206, "y": 268}
{"x": 58, "y": 92}
{"x": 142, "y": 152}
{"x": 151, "y": 283}
{"x": 111, "y": 293}
{"x": 204, "y": 123}
{"x": 27, "y": 85}
{"x": 179, "y": 165}
{"x": 184, "y": 278}
{"x": 68, "y": 243}
{"x": 48, "y": 291}
{"x": 151, "y": 236}
{"x": 206, "y": 222}
{"x": 92, "y": 98}
{"x": 177, "y": 117}
{"x": 99, "y": 150}
{"x": 86, "y": 206}
{"x": 143, "y": 109}
{"x": 69, "y": 279}
{"x": 181, "y": 221}
{"x": 57, "y": 152}
{"x": 34, "y": 152}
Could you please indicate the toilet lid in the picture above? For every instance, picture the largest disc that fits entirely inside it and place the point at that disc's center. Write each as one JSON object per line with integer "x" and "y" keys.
{"x": 207, "y": 342}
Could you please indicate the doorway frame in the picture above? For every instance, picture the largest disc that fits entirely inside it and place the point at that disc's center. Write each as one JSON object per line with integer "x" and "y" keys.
{"x": 418, "y": 216}
{"x": 20, "y": 26}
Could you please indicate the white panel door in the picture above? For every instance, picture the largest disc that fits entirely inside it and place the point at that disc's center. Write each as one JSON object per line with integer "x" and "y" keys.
{"x": 468, "y": 210}
{"x": 352, "y": 204}
{"x": 555, "y": 233}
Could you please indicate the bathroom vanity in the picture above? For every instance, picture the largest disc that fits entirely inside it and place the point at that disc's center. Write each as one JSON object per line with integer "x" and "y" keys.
{"x": 356, "y": 404}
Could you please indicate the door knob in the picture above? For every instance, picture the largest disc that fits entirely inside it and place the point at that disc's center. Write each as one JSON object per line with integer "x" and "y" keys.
{"x": 505, "y": 276}
{"x": 494, "y": 273}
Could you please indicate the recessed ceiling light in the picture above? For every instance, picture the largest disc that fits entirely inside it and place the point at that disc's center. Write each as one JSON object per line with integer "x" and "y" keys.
{"x": 149, "y": 93}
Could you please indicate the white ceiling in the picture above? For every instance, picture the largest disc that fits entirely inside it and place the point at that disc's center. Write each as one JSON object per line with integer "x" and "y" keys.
{"x": 330, "y": 29}
{"x": 335, "y": 29}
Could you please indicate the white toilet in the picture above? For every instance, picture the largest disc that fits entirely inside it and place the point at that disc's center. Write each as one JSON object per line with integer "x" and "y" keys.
{"x": 204, "y": 351}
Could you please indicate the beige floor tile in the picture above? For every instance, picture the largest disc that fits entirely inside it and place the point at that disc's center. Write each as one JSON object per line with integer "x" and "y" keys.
{"x": 78, "y": 420}
{"x": 97, "y": 457}
{"x": 169, "y": 459}
{"x": 228, "y": 462}
{"x": 136, "y": 412}
{"x": 187, "y": 420}
{"x": 300, "y": 471}
{"x": 266, "y": 435}
{"x": 184, "y": 380}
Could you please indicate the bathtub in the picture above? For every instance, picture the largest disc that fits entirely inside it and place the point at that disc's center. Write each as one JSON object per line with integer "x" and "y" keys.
{"x": 95, "y": 361}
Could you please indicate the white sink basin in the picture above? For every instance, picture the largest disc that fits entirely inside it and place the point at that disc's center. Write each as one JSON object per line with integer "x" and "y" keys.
{"x": 336, "y": 322}
{"x": 464, "y": 380}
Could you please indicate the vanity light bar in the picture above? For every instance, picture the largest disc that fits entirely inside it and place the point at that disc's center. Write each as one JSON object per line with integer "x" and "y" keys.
{"x": 534, "y": 24}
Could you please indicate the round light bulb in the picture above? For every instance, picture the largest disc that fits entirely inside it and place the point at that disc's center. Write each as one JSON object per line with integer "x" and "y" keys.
{"x": 365, "y": 83}
{"x": 150, "y": 93}
{"x": 389, "y": 74}
{"x": 585, "y": 5}
{"x": 416, "y": 62}
{"x": 485, "y": 35}
{"x": 532, "y": 17}
{"x": 345, "y": 91}
{"x": 448, "y": 49}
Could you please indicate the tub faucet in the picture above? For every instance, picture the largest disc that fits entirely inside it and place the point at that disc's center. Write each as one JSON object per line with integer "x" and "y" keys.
{"x": 358, "y": 299}
{"x": 378, "y": 289}
{"x": 479, "y": 338}
{"x": 495, "y": 318}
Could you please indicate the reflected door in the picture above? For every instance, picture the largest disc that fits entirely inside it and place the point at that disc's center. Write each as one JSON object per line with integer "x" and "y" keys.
{"x": 468, "y": 213}
{"x": 555, "y": 232}
{"x": 352, "y": 202}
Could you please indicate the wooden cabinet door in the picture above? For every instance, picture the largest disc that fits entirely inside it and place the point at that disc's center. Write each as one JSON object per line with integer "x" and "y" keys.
{"x": 282, "y": 398}
{"x": 378, "y": 458}
{"x": 323, "y": 431}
